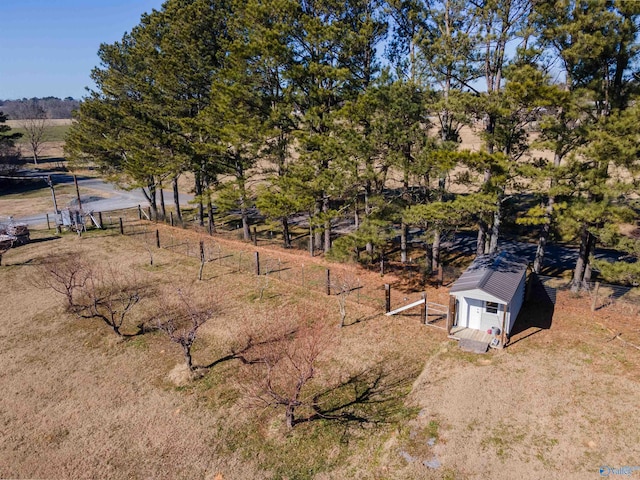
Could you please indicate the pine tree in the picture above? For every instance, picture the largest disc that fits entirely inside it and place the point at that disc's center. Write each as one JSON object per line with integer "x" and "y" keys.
{"x": 9, "y": 154}
{"x": 597, "y": 47}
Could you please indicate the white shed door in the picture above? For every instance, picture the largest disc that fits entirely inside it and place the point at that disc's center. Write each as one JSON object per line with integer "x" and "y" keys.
{"x": 475, "y": 313}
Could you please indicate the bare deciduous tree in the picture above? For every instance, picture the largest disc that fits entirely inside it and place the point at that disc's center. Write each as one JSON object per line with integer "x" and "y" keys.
{"x": 109, "y": 296}
{"x": 287, "y": 367}
{"x": 344, "y": 285}
{"x": 34, "y": 121}
{"x": 64, "y": 274}
{"x": 149, "y": 245}
{"x": 181, "y": 321}
{"x": 264, "y": 279}
{"x": 105, "y": 294}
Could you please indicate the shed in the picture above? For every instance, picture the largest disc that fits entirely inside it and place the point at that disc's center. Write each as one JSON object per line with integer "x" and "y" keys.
{"x": 489, "y": 294}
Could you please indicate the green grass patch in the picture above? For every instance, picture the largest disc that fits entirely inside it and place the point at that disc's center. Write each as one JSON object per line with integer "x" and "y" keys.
{"x": 138, "y": 343}
{"x": 52, "y": 133}
{"x": 503, "y": 439}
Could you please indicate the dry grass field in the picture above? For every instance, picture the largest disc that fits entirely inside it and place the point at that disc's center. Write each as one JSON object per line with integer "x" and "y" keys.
{"x": 77, "y": 402}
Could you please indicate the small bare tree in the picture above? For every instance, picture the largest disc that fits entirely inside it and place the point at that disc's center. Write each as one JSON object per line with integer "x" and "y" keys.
{"x": 181, "y": 321}
{"x": 109, "y": 296}
{"x": 149, "y": 245}
{"x": 33, "y": 119}
{"x": 344, "y": 285}
{"x": 287, "y": 368}
{"x": 65, "y": 274}
{"x": 105, "y": 294}
{"x": 263, "y": 281}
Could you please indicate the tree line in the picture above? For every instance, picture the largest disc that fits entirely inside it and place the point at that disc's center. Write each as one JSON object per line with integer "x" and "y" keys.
{"x": 50, "y": 107}
{"x": 355, "y": 109}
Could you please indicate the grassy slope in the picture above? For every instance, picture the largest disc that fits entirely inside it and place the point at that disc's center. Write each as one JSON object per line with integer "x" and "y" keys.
{"x": 79, "y": 404}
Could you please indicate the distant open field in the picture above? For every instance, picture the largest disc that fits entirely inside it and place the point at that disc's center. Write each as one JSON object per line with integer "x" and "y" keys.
{"x": 78, "y": 403}
{"x": 55, "y": 130}
{"x": 55, "y": 122}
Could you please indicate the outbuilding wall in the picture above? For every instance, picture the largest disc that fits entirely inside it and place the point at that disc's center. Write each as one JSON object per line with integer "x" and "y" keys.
{"x": 468, "y": 298}
{"x": 516, "y": 303}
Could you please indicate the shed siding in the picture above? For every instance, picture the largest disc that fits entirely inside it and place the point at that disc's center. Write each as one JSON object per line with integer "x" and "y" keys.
{"x": 516, "y": 303}
{"x": 499, "y": 279}
{"x": 492, "y": 319}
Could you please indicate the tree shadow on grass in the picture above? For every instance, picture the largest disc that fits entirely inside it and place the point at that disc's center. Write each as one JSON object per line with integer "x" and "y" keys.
{"x": 29, "y": 262}
{"x": 373, "y": 396}
{"x": 44, "y": 239}
{"x": 244, "y": 354}
{"x": 364, "y": 319}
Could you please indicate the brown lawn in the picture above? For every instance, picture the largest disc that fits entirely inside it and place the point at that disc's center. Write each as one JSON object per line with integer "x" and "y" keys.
{"x": 79, "y": 403}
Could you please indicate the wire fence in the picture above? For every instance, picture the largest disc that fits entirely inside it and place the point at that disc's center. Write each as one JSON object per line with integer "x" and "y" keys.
{"x": 336, "y": 280}
{"x": 333, "y": 280}
{"x": 625, "y": 299}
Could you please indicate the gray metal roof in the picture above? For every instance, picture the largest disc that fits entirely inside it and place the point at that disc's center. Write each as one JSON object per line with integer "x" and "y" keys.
{"x": 498, "y": 275}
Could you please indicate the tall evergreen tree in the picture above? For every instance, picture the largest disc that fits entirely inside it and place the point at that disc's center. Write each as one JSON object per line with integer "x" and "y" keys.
{"x": 9, "y": 154}
{"x": 597, "y": 44}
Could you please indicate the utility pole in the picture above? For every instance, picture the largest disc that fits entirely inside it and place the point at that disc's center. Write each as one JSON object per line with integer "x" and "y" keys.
{"x": 75, "y": 180}
{"x": 55, "y": 204}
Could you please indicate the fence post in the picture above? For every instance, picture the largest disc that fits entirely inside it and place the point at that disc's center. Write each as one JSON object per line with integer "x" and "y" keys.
{"x": 48, "y": 224}
{"x": 202, "y": 260}
{"x": 423, "y": 311}
{"x": 139, "y": 213}
{"x": 387, "y": 298}
{"x": 171, "y": 218}
{"x": 100, "y": 220}
{"x": 257, "y": 263}
{"x": 255, "y": 236}
{"x": 157, "y": 238}
{"x": 121, "y": 227}
{"x": 594, "y": 300}
{"x": 328, "y": 282}
{"x": 149, "y": 213}
{"x": 451, "y": 313}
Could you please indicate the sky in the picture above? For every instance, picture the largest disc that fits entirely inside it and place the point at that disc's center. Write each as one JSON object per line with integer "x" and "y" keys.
{"x": 49, "y": 47}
